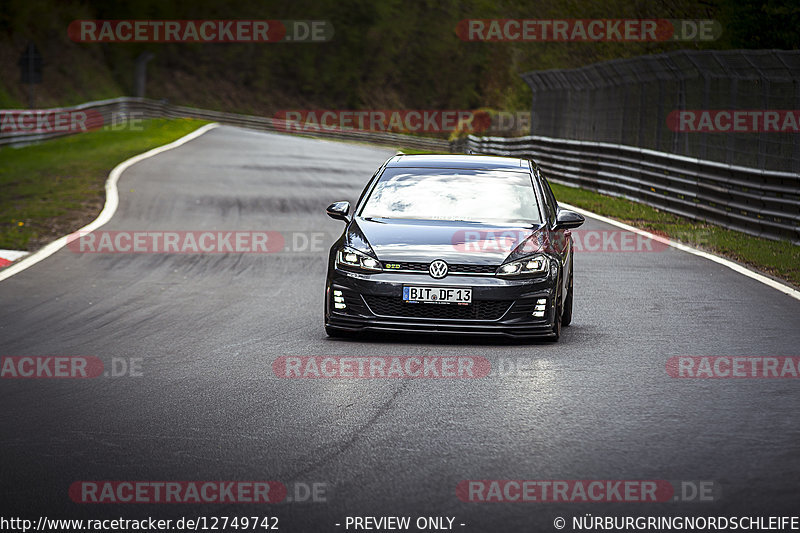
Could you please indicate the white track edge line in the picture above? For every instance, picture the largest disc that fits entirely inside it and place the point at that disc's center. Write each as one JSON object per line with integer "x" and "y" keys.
{"x": 736, "y": 267}
{"x": 112, "y": 201}
{"x": 110, "y": 207}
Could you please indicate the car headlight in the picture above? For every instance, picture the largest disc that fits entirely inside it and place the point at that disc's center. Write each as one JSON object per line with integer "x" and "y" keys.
{"x": 533, "y": 265}
{"x": 350, "y": 259}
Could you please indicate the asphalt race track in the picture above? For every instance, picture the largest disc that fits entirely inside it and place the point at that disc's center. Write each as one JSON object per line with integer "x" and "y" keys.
{"x": 204, "y": 330}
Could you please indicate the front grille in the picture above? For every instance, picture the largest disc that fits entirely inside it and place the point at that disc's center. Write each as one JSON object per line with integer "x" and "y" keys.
{"x": 452, "y": 269}
{"x": 473, "y": 269}
{"x": 477, "y": 310}
{"x": 422, "y": 267}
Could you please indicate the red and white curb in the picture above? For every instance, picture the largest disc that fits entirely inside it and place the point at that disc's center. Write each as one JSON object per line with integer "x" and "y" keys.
{"x": 9, "y": 256}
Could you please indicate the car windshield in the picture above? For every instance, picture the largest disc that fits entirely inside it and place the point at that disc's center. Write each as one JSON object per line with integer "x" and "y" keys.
{"x": 453, "y": 194}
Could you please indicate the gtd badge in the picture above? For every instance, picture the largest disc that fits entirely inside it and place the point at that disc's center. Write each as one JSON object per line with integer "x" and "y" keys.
{"x": 438, "y": 269}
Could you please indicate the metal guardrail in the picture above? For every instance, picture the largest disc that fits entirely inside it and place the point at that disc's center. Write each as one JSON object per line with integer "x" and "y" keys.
{"x": 758, "y": 202}
{"x": 119, "y": 108}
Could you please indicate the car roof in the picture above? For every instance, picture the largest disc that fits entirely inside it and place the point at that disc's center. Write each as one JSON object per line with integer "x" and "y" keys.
{"x": 477, "y": 162}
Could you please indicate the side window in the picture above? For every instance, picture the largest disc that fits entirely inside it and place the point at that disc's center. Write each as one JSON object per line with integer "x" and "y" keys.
{"x": 551, "y": 199}
{"x": 550, "y": 196}
{"x": 368, "y": 187}
{"x": 550, "y": 206}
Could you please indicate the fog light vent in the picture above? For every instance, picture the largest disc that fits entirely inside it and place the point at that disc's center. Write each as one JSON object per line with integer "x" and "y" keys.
{"x": 338, "y": 300}
{"x": 541, "y": 306}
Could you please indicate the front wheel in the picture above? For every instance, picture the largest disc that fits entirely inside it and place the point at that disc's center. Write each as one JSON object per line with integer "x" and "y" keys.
{"x": 566, "y": 318}
{"x": 557, "y": 317}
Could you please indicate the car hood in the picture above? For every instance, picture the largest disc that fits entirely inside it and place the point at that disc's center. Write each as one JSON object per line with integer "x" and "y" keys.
{"x": 454, "y": 242}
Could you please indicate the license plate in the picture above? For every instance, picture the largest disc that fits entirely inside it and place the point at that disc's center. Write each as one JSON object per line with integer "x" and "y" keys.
{"x": 437, "y": 295}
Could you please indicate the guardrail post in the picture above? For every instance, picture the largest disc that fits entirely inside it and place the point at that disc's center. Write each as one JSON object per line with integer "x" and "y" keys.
{"x": 141, "y": 73}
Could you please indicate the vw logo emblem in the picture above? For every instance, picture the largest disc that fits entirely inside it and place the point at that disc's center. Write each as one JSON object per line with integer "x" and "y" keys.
{"x": 438, "y": 269}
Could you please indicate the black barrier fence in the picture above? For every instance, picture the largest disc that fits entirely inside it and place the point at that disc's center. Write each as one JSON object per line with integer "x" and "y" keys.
{"x": 709, "y": 105}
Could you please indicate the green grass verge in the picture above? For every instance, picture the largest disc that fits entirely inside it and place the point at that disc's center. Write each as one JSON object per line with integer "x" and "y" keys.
{"x": 53, "y": 188}
{"x": 778, "y": 258}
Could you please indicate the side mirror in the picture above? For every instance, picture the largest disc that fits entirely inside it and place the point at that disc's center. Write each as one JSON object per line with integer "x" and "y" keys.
{"x": 566, "y": 219}
{"x": 339, "y": 211}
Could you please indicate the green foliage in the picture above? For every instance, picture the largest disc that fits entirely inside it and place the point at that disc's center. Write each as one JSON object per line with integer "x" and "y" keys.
{"x": 389, "y": 53}
{"x": 765, "y": 24}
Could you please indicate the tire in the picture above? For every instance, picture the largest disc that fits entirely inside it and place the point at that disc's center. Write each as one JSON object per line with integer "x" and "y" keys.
{"x": 566, "y": 318}
{"x": 556, "y": 324}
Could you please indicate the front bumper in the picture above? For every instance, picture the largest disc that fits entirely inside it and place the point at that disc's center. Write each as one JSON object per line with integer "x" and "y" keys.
{"x": 500, "y": 306}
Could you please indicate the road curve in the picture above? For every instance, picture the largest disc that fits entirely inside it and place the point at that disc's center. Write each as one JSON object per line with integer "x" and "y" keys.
{"x": 206, "y": 328}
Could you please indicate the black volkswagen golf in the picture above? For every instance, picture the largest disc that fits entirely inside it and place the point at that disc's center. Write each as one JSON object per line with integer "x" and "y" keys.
{"x": 460, "y": 244}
